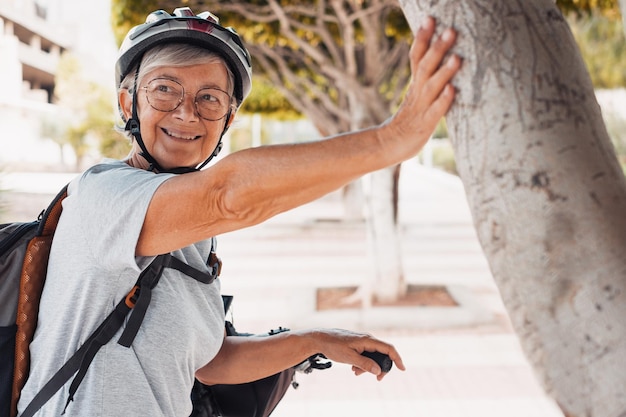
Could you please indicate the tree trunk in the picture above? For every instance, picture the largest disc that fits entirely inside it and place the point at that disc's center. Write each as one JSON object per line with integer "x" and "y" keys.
{"x": 353, "y": 201}
{"x": 387, "y": 282}
{"x": 546, "y": 193}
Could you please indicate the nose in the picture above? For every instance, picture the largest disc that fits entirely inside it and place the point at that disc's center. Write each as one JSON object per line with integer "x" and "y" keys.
{"x": 186, "y": 110}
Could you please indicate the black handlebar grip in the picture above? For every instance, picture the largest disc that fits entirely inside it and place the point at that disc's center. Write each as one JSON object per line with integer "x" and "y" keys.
{"x": 383, "y": 360}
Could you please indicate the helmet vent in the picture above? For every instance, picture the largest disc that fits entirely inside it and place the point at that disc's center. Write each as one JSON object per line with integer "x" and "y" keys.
{"x": 209, "y": 16}
{"x": 156, "y": 15}
{"x": 183, "y": 12}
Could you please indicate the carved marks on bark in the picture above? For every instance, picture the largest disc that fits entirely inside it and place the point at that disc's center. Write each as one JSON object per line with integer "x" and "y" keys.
{"x": 557, "y": 102}
{"x": 538, "y": 181}
{"x": 541, "y": 181}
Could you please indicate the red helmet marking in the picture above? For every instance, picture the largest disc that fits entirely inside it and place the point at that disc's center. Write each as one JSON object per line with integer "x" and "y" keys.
{"x": 199, "y": 25}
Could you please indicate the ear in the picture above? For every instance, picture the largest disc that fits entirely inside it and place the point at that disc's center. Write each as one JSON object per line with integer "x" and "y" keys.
{"x": 125, "y": 99}
{"x": 231, "y": 118}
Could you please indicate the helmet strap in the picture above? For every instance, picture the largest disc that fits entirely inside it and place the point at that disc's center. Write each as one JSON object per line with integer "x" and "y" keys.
{"x": 220, "y": 144}
{"x": 132, "y": 125}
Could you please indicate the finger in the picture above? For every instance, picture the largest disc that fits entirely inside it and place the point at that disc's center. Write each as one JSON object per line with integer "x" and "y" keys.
{"x": 422, "y": 40}
{"x": 438, "y": 91}
{"x": 441, "y": 104}
{"x": 433, "y": 57}
{"x": 380, "y": 364}
{"x": 442, "y": 76}
{"x": 369, "y": 365}
{"x": 396, "y": 358}
{"x": 357, "y": 371}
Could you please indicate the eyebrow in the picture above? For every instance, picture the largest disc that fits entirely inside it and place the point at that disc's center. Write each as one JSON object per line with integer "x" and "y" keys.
{"x": 178, "y": 80}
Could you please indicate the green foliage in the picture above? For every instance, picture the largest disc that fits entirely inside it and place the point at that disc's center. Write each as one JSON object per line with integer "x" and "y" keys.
{"x": 325, "y": 57}
{"x": 443, "y": 156}
{"x": 99, "y": 121}
{"x": 603, "y": 47}
{"x": 128, "y": 13}
{"x": 441, "y": 131}
{"x": 90, "y": 112}
{"x": 264, "y": 98}
{"x": 609, "y": 8}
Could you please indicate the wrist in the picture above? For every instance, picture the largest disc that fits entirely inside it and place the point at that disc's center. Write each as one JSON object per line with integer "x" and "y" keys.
{"x": 395, "y": 143}
{"x": 308, "y": 342}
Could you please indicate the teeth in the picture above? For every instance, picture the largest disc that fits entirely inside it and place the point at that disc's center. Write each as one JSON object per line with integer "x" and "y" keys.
{"x": 180, "y": 137}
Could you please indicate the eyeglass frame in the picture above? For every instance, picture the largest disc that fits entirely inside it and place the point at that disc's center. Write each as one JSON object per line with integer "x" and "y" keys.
{"x": 231, "y": 106}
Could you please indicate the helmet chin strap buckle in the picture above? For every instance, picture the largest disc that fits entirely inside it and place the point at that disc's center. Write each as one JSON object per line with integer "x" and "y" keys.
{"x": 218, "y": 148}
{"x": 132, "y": 126}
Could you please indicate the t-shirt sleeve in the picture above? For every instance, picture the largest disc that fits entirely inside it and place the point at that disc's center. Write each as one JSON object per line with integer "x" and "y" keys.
{"x": 105, "y": 210}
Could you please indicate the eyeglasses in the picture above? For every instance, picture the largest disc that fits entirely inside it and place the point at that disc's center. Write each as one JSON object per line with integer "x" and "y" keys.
{"x": 166, "y": 95}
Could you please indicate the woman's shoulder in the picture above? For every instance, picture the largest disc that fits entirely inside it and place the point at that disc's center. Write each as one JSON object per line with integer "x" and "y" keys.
{"x": 115, "y": 174}
{"x": 111, "y": 165}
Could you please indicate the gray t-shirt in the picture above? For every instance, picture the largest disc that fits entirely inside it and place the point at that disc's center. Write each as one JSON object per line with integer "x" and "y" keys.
{"x": 92, "y": 266}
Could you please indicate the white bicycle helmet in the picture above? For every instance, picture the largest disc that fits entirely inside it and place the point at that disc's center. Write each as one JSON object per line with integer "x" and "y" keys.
{"x": 183, "y": 26}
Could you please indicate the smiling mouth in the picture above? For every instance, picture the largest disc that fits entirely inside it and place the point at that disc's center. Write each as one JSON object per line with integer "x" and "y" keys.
{"x": 173, "y": 135}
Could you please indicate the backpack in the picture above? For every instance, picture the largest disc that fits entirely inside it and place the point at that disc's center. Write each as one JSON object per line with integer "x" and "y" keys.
{"x": 24, "y": 252}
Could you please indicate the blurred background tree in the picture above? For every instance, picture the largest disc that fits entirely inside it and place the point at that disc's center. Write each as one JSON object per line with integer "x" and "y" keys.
{"x": 603, "y": 46}
{"x": 88, "y": 113}
{"x": 585, "y": 7}
{"x": 306, "y": 50}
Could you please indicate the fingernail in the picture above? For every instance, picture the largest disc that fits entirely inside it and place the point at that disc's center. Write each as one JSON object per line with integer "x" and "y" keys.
{"x": 452, "y": 61}
{"x": 447, "y": 34}
{"x": 376, "y": 370}
{"x": 427, "y": 22}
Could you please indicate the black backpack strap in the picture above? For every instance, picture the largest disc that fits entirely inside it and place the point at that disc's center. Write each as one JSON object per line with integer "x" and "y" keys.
{"x": 215, "y": 264}
{"x": 137, "y": 301}
{"x": 108, "y": 328}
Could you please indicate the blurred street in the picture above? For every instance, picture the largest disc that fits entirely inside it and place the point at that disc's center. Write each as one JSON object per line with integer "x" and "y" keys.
{"x": 461, "y": 361}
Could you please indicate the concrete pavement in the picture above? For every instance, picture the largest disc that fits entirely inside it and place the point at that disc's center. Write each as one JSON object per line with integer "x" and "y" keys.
{"x": 462, "y": 361}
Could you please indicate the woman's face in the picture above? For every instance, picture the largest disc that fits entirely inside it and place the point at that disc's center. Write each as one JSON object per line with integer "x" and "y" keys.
{"x": 179, "y": 138}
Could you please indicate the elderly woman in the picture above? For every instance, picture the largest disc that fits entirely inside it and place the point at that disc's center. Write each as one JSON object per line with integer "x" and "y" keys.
{"x": 181, "y": 80}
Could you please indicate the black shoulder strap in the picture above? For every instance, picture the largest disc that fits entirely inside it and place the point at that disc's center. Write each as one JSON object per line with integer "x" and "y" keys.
{"x": 214, "y": 263}
{"x": 137, "y": 300}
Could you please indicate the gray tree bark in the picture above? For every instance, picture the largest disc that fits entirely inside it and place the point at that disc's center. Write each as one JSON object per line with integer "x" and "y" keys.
{"x": 546, "y": 193}
{"x": 387, "y": 281}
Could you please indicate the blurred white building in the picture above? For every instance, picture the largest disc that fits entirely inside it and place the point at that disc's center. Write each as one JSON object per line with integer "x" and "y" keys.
{"x": 30, "y": 48}
{"x": 33, "y": 35}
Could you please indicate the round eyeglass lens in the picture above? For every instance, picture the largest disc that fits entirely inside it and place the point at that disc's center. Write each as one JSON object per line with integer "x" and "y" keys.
{"x": 166, "y": 95}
